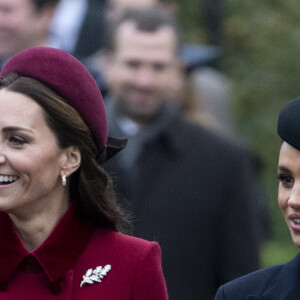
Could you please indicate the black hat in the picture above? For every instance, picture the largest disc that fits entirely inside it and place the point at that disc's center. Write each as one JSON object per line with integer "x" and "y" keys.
{"x": 288, "y": 127}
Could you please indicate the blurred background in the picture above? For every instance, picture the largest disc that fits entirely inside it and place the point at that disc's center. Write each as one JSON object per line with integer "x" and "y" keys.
{"x": 244, "y": 66}
{"x": 260, "y": 44}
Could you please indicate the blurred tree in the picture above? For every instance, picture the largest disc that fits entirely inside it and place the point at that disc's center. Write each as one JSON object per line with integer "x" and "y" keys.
{"x": 261, "y": 54}
{"x": 260, "y": 40}
{"x": 212, "y": 12}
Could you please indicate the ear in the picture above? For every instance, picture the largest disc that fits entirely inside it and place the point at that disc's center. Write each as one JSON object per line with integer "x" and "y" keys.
{"x": 179, "y": 77}
{"x": 70, "y": 160}
{"x": 107, "y": 64}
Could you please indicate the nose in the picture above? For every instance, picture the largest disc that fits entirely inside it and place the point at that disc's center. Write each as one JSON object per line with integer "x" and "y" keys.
{"x": 145, "y": 78}
{"x": 2, "y": 159}
{"x": 294, "y": 199}
{"x": 2, "y": 156}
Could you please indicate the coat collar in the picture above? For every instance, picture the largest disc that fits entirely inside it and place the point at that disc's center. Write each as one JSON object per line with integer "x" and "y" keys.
{"x": 57, "y": 253}
{"x": 286, "y": 284}
{"x": 167, "y": 128}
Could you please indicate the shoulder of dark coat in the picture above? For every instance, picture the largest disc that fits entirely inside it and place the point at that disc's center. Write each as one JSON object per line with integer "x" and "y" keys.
{"x": 194, "y": 136}
{"x": 256, "y": 282}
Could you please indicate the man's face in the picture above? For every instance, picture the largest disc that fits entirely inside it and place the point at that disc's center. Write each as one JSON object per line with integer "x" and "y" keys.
{"x": 144, "y": 72}
{"x": 21, "y": 26}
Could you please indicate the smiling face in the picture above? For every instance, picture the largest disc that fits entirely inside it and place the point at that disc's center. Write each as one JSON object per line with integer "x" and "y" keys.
{"x": 22, "y": 26}
{"x": 31, "y": 161}
{"x": 289, "y": 189}
{"x": 144, "y": 73}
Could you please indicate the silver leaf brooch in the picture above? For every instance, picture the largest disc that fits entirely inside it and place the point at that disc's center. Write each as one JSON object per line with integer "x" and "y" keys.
{"x": 91, "y": 276}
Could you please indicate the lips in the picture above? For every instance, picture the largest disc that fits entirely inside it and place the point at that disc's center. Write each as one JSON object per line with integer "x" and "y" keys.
{"x": 295, "y": 221}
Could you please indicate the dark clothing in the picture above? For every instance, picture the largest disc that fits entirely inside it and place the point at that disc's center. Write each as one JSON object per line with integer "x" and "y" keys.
{"x": 91, "y": 36}
{"x": 2, "y": 62}
{"x": 191, "y": 191}
{"x": 280, "y": 282}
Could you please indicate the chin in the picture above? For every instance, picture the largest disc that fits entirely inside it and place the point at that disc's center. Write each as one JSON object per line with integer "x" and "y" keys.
{"x": 296, "y": 240}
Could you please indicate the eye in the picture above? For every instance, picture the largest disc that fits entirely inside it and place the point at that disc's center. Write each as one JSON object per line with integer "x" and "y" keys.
{"x": 286, "y": 180}
{"x": 17, "y": 140}
{"x": 133, "y": 64}
{"x": 159, "y": 67}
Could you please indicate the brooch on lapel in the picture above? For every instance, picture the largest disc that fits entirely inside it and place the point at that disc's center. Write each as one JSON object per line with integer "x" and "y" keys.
{"x": 91, "y": 276}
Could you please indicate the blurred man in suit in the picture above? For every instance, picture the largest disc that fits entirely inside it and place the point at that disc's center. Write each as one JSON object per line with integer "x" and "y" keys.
{"x": 24, "y": 24}
{"x": 187, "y": 188}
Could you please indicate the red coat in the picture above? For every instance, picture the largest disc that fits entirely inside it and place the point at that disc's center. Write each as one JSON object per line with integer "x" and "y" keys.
{"x": 55, "y": 269}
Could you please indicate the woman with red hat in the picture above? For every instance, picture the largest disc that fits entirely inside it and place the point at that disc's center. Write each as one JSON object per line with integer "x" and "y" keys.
{"x": 59, "y": 222}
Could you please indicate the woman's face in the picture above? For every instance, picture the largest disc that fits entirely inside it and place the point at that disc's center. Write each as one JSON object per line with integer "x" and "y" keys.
{"x": 30, "y": 158}
{"x": 289, "y": 188}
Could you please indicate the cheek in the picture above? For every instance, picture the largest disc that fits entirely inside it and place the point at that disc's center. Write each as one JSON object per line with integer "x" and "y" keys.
{"x": 35, "y": 164}
{"x": 117, "y": 75}
{"x": 282, "y": 199}
{"x": 169, "y": 81}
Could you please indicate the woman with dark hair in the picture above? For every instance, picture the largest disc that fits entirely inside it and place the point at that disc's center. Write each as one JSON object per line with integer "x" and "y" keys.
{"x": 281, "y": 281}
{"x": 59, "y": 221}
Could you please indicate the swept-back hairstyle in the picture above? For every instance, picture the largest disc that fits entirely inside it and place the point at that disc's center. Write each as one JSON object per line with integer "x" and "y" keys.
{"x": 40, "y": 4}
{"x": 147, "y": 20}
{"x": 91, "y": 187}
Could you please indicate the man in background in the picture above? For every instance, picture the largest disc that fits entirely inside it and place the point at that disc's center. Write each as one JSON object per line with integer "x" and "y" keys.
{"x": 24, "y": 24}
{"x": 187, "y": 188}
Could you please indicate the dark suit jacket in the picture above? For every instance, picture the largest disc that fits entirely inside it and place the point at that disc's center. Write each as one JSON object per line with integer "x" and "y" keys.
{"x": 191, "y": 191}
{"x": 281, "y": 282}
{"x": 92, "y": 33}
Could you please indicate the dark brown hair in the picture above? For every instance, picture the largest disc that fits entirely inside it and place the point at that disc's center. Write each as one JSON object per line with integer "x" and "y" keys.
{"x": 91, "y": 187}
{"x": 41, "y": 4}
{"x": 147, "y": 20}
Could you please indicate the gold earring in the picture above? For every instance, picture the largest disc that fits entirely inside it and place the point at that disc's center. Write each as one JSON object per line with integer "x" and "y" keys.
{"x": 64, "y": 179}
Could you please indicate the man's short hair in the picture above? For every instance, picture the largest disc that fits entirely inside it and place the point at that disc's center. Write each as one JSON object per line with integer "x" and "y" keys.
{"x": 40, "y": 4}
{"x": 147, "y": 20}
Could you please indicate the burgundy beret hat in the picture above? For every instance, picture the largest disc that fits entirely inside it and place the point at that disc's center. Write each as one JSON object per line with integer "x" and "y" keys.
{"x": 70, "y": 79}
{"x": 288, "y": 126}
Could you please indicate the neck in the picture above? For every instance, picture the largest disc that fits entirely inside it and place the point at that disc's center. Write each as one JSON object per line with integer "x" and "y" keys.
{"x": 35, "y": 227}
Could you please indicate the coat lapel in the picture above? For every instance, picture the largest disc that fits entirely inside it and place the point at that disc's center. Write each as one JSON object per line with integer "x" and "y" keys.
{"x": 286, "y": 285}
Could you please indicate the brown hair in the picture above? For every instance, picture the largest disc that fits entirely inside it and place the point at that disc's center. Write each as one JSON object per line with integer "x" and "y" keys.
{"x": 41, "y": 4}
{"x": 91, "y": 187}
{"x": 147, "y": 20}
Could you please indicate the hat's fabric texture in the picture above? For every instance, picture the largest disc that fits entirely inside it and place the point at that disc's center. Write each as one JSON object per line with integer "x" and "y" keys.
{"x": 288, "y": 126}
{"x": 68, "y": 77}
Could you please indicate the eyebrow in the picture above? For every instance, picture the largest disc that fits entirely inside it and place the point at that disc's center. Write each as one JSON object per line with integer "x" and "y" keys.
{"x": 15, "y": 128}
{"x": 283, "y": 169}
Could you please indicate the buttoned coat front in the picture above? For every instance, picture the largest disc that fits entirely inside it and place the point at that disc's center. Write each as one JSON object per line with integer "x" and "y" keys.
{"x": 280, "y": 282}
{"x": 55, "y": 270}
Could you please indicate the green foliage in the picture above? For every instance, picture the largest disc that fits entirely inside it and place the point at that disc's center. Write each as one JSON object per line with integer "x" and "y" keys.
{"x": 274, "y": 252}
{"x": 191, "y": 20}
{"x": 261, "y": 55}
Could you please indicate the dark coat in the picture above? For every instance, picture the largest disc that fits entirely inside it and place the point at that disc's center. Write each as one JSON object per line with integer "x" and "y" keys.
{"x": 281, "y": 282}
{"x": 190, "y": 190}
{"x": 92, "y": 33}
{"x": 55, "y": 269}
